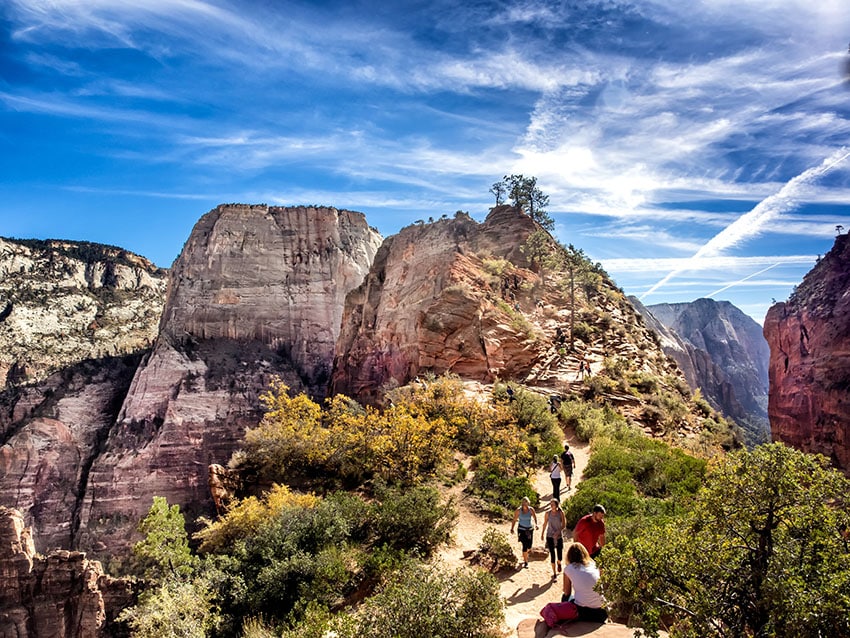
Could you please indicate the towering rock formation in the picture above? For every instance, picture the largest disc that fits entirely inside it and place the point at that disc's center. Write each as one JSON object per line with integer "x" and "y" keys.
{"x": 721, "y": 351}
{"x": 462, "y": 297}
{"x": 809, "y": 337}
{"x": 257, "y": 291}
{"x": 428, "y": 306}
{"x": 77, "y": 318}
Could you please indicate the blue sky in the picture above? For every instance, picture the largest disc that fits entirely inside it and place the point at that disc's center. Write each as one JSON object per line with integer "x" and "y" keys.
{"x": 693, "y": 148}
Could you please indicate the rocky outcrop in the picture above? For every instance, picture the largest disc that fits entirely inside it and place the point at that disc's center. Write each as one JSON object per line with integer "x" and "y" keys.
{"x": 65, "y": 302}
{"x": 722, "y": 352}
{"x": 257, "y": 292}
{"x": 809, "y": 337}
{"x": 57, "y": 596}
{"x": 462, "y": 297}
{"x": 427, "y": 305}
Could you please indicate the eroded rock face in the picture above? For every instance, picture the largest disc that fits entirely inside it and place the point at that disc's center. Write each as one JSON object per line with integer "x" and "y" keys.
{"x": 57, "y": 596}
{"x": 461, "y": 297}
{"x": 809, "y": 337}
{"x": 51, "y": 434}
{"x": 65, "y": 302}
{"x": 724, "y": 353}
{"x": 425, "y": 306}
{"x": 257, "y": 291}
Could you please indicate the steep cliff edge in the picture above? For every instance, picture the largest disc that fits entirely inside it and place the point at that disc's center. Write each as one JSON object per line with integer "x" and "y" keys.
{"x": 809, "y": 337}
{"x": 77, "y": 319}
{"x": 723, "y": 353}
{"x": 257, "y": 291}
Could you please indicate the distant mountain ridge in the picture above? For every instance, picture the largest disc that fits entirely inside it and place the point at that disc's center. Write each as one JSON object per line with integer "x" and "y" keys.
{"x": 722, "y": 352}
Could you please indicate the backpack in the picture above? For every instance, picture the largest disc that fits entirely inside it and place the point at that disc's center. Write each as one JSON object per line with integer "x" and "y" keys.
{"x": 553, "y": 613}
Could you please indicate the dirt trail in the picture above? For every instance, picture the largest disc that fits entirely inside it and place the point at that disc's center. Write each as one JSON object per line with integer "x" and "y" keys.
{"x": 525, "y": 591}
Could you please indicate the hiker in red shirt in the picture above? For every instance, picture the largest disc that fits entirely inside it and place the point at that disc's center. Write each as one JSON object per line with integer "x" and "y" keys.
{"x": 590, "y": 531}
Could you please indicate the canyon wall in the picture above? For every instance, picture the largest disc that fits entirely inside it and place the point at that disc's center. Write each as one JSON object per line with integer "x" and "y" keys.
{"x": 809, "y": 337}
{"x": 123, "y": 392}
{"x": 256, "y": 292}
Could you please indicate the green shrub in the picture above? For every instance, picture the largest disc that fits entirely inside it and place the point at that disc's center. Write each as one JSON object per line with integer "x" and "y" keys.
{"x": 588, "y": 420}
{"x": 413, "y": 520}
{"x": 495, "y": 544}
{"x": 616, "y": 492}
{"x": 174, "y": 609}
{"x": 501, "y": 494}
{"x": 755, "y": 554}
{"x": 430, "y": 601}
{"x": 583, "y": 331}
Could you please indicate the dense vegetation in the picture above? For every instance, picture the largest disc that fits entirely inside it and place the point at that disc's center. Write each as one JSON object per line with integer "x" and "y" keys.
{"x": 363, "y": 525}
{"x": 350, "y": 551}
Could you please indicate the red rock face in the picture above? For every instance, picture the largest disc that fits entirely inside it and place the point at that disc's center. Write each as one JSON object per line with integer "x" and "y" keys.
{"x": 257, "y": 291}
{"x": 58, "y": 596}
{"x": 427, "y": 305}
{"x": 809, "y": 337}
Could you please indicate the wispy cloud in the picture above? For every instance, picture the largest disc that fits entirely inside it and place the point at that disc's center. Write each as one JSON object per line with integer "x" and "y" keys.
{"x": 751, "y": 223}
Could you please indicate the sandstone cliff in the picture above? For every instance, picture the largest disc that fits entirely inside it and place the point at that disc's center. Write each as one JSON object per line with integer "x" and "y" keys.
{"x": 58, "y": 596}
{"x": 64, "y": 302}
{"x": 257, "y": 291}
{"x": 809, "y": 337}
{"x": 462, "y": 297}
{"x": 723, "y": 353}
{"x": 77, "y": 318}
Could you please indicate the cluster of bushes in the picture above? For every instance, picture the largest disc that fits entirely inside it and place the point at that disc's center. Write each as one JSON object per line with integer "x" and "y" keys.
{"x": 293, "y": 561}
{"x": 635, "y": 477}
{"x": 524, "y": 435}
{"x": 415, "y": 439}
{"x": 757, "y": 551}
{"x": 281, "y": 555}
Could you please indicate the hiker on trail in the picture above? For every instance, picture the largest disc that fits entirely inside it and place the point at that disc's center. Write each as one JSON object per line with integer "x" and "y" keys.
{"x": 556, "y": 469}
{"x": 568, "y": 462}
{"x": 527, "y": 519}
{"x": 590, "y": 531}
{"x": 554, "y": 523}
{"x": 580, "y": 578}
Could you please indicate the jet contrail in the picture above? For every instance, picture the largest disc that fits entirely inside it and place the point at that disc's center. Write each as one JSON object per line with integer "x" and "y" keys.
{"x": 740, "y": 281}
{"x": 750, "y": 223}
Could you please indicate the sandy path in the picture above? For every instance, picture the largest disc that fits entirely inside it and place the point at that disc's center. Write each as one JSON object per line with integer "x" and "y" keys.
{"x": 525, "y": 591}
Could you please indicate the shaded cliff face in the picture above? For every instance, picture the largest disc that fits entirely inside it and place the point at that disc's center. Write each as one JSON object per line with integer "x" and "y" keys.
{"x": 77, "y": 319}
{"x": 809, "y": 339}
{"x": 64, "y": 302}
{"x": 257, "y": 291}
{"x": 722, "y": 351}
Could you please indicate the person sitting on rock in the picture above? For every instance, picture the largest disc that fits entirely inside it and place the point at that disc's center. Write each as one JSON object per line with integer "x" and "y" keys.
{"x": 580, "y": 578}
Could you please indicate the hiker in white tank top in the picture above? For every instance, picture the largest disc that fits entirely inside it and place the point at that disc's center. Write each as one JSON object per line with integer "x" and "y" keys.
{"x": 556, "y": 470}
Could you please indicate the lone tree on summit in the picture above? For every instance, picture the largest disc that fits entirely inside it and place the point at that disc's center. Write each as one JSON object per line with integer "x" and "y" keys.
{"x": 525, "y": 194}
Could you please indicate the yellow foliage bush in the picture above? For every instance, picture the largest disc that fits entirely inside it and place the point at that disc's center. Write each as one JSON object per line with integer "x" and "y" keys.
{"x": 248, "y": 515}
